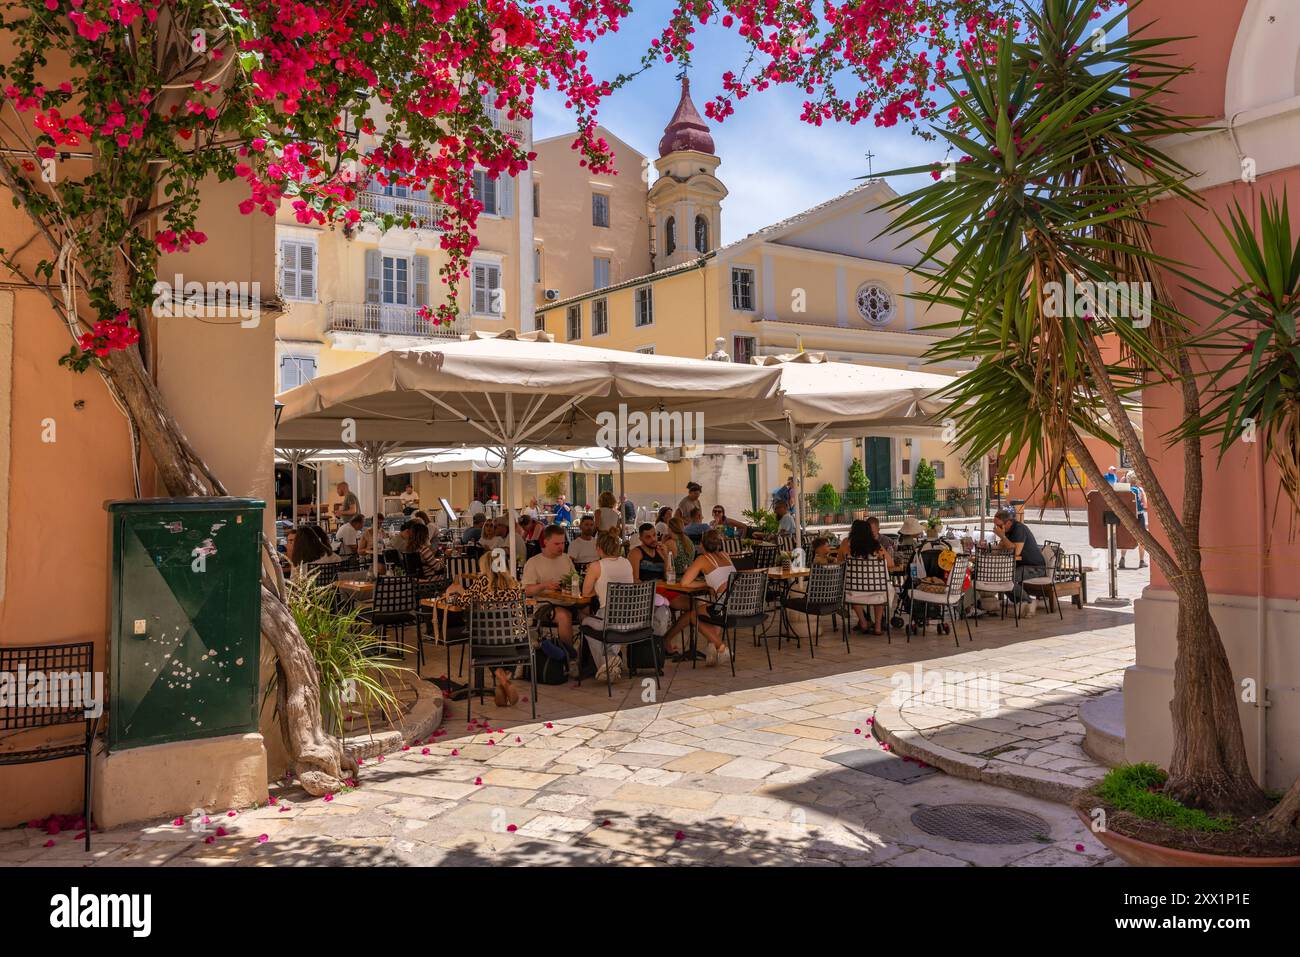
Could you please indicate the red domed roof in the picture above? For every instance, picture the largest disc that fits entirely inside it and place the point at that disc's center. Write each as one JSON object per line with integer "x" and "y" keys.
{"x": 686, "y": 130}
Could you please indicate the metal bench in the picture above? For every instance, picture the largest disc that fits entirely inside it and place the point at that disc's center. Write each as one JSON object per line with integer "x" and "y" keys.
{"x": 19, "y": 664}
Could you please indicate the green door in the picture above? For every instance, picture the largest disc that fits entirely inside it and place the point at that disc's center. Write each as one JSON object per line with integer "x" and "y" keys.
{"x": 879, "y": 466}
{"x": 186, "y": 641}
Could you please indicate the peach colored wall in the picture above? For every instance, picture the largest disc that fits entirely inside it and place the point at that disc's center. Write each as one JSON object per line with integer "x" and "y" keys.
{"x": 1230, "y": 540}
{"x": 1231, "y": 546}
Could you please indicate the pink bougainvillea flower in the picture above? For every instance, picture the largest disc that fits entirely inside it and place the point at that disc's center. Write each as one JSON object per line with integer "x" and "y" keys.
{"x": 231, "y": 813}
{"x": 549, "y": 725}
{"x": 455, "y": 752}
{"x": 679, "y": 836}
{"x": 1078, "y": 847}
{"x": 424, "y": 750}
{"x": 49, "y": 843}
{"x": 511, "y": 828}
{"x": 222, "y": 832}
{"x": 283, "y": 809}
{"x": 263, "y": 838}
{"x": 179, "y": 822}
{"x": 209, "y": 840}
{"x": 857, "y": 730}
{"x": 871, "y": 721}
{"x": 329, "y": 797}
{"x": 478, "y": 781}
{"x": 517, "y": 739}
{"x": 206, "y": 819}
{"x": 272, "y": 800}
{"x": 604, "y": 823}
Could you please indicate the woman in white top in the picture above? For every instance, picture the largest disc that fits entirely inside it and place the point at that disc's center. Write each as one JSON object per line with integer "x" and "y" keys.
{"x": 609, "y": 567}
{"x": 714, "y": 565}
{"x": 608, "y": 517}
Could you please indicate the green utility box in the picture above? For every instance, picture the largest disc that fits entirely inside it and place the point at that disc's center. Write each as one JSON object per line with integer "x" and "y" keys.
{"x": 185, "y": 606}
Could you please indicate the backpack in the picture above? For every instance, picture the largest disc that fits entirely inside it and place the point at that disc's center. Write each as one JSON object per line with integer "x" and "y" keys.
{"x": 644, "y": 656}
{"x": 550, "y": 671}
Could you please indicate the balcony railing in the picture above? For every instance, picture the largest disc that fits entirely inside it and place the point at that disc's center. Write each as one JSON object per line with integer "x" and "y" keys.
{"x": 427, "y": 213}
{"x": 375, "y": 318}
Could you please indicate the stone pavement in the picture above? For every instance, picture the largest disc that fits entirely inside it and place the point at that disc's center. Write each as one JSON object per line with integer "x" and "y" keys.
{"x": 762, "y": 768}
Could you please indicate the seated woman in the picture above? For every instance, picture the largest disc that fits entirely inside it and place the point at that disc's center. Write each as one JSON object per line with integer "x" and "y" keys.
{"x": 862, "y": 542}
{"x": 310, "y": 546}
{"x": 415, "y": 540}
{"x": 662, "y": 528}
{"x": 610, "y": 566}
{"x": 715, "y": 567}
{"x": 729, "y": 527}
{"x": 488, "y": 589}
{"x": 680, "y": 547}
{"x": 608, "y": 515}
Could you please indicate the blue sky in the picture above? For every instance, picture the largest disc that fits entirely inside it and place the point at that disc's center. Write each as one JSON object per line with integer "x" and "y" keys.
{"x": 773, "y": 164}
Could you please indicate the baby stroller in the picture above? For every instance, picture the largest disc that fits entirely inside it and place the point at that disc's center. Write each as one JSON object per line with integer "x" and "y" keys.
{"x": 935, "y": 567}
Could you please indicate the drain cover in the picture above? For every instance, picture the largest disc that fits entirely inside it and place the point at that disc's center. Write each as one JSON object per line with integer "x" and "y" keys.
{"x": 982, "y": 824}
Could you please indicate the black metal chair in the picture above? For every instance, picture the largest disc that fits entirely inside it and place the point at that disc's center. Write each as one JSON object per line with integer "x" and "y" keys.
{"x": 866, "y": 582}
{"x": 395, "y": 606}
{"x": 497, "y": 635}
{"x": 742, "y": 605}
{"x": 626, "y": 620}
{"x": 824, "y": 596}
{"x": 952, "y": 598}
{"x": 325, "y": 573}
{"x": 461, "y": 566}
{"x": 77, "y": 658}
{"x": 1065, "y": 568}
{"x": 764, "y": 554}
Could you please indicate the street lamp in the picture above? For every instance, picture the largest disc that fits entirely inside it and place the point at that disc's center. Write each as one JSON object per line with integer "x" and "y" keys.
{"x": 279, "y": 410}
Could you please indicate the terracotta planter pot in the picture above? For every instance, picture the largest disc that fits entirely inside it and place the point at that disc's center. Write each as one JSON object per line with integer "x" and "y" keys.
{"x": 1141, "y": 854}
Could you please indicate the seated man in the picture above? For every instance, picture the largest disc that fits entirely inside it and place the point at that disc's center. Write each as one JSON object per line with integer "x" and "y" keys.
{"x": 494, "y": 536}
{"x": 563, "y": 516}
{"x": 1016, "y": 537}
{"x": 583, "y": 548}
{"x": 349, "y": 536}
{"x": 696, "y": 525}
{"x": 543, "y": 572}
{"x": 472, "y": 534}
{"x": 785, "y": 523}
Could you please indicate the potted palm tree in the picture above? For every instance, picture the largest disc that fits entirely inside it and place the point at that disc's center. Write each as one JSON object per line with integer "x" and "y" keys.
{"x": 1049, "y": 133}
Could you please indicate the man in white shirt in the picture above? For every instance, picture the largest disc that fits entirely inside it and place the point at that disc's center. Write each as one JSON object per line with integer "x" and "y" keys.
{"x": 543, "y": 572}
{"x": 350, "y": 534}
{"x": 583, "y": 548}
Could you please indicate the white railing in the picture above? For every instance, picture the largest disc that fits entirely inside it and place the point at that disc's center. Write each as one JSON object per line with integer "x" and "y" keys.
{"x": 376, "y": 318}
{"x": 426, "y": 213}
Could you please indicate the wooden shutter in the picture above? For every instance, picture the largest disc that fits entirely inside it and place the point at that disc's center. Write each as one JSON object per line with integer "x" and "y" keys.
{"x": 421, "y": 281}
{"x": 306, "y": 271}
{"x": 289, "y": 270}
{"x": 374, "y": 275}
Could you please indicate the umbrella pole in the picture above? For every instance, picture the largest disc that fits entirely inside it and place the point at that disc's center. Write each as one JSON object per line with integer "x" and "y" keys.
{"x": 293, "y": 494}
{"x": 320, "y": 471}
{"x": 374, "y": 520}
{"x": 620, "y": 453}
{"x": 507, "y": 498}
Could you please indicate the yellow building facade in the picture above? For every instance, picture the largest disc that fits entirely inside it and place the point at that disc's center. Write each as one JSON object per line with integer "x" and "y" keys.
{"x": 629, "y": 260}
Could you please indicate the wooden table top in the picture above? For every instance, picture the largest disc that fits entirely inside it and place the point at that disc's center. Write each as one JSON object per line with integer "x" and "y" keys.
{"x": 564, "y": 598}
{"x": 698, "y": 585}
{"x": 789, "y": 573}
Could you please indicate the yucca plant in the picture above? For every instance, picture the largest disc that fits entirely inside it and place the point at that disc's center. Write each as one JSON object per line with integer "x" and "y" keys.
{"x": 1038, "y": 237}
{"x": 1254, "y": 336}
{"x": 353, "y": 679}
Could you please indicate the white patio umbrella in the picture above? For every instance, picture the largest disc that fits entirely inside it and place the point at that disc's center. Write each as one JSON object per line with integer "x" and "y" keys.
{"x": 821, "y": 399}
{"x": 512, "y": 390}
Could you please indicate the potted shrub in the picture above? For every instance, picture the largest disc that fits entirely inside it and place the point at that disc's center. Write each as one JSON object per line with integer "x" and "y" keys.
{"x": 932, "y": 527}
{"x": 1129, "y": 812}
{"x": 828, "y": 503}
{"x": 923, "y": 487}
{"x": 858, "y": 488}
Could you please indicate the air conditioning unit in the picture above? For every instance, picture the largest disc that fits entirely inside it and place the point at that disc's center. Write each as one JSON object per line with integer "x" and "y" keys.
{"x": 552, "y": 295}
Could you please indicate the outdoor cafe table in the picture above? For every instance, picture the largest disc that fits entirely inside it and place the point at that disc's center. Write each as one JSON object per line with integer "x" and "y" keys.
{"x": 692, "y": 592}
